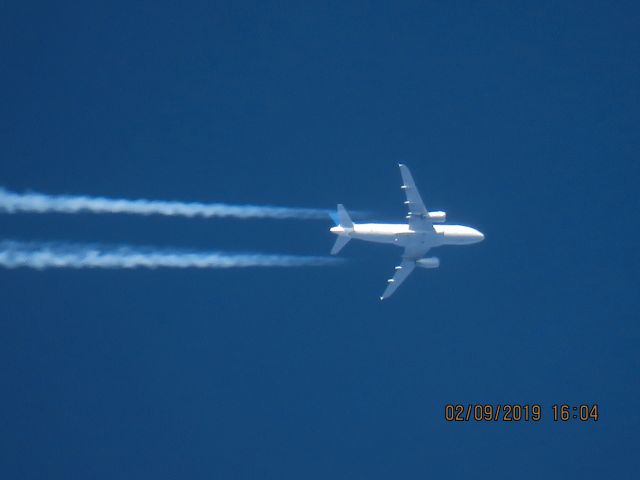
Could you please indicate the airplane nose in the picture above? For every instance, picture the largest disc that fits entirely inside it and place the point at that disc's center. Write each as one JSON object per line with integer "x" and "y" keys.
{"x": 480, "y": 235}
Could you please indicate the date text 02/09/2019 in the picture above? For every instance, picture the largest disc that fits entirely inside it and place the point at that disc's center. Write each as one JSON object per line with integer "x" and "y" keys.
{"x": 533, "y": 412}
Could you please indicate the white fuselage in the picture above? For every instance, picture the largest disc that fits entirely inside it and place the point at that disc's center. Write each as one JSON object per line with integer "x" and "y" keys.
{"x": 402, "y": 235}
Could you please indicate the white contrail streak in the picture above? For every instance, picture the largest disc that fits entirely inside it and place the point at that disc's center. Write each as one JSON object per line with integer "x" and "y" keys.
{"x": 11, "y": 202}
{"x": 15, "y": 254}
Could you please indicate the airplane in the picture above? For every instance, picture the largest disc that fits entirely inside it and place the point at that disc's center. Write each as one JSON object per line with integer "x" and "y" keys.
{"x": 417, "y": 236}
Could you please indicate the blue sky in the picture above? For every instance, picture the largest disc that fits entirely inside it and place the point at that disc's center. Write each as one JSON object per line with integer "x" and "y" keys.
{"x": 518, "y": 119}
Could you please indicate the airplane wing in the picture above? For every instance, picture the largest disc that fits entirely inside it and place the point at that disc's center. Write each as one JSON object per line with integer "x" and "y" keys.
{"x": 402, "y": 272}
{"x": 418, "y": 215}
{"x": 409, "y": 257}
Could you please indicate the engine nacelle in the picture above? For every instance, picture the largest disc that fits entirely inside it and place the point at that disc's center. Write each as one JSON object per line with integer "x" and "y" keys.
{"x": 429, "y": 262}
{"x": 438, "y": 217}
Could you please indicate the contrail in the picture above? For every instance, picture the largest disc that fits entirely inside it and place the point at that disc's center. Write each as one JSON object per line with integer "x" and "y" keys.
{"x": 14, "y": 254}
{"x": 11, "y": 202}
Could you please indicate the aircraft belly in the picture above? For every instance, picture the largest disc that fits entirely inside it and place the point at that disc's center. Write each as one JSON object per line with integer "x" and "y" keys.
{"x": 403, "y": 241}
{"x": 399, "y": 235}
{"x": 377, "y": 238}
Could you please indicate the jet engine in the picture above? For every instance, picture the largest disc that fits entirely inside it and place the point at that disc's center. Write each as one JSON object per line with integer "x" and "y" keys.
{"x": 429, "y": 262}
{"x": 438, "y": 217}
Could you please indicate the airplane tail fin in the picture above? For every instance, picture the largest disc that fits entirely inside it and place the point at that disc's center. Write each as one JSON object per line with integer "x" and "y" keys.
{"x": 342, "y": 219}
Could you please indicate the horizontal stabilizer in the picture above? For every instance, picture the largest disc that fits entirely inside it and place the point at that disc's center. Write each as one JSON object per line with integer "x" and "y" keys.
{"x": 341, "y": 241}
{"x": 344, "y": 218}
